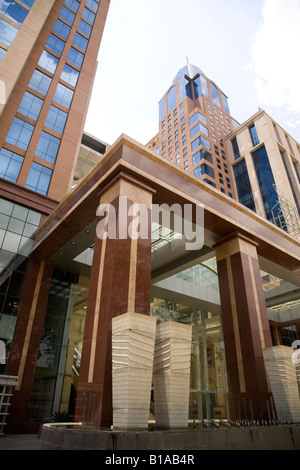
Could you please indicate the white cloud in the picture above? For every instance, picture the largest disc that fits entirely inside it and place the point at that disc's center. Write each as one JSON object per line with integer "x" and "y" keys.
{"x": 275, "y": 55}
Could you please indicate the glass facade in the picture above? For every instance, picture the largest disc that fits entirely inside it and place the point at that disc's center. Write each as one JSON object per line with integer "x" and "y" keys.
{"x": 243, "y": 185}
{"x": 266, "y": 182}
{"x": 17, "y": 226}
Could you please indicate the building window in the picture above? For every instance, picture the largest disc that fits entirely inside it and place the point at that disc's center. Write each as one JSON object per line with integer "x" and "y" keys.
{"x": 74, "y": 4}
{"x": 80, "y": 42}
{"x": 200, "y": 141}
{"x": 235, "y": 148}
{"x": 63, "y": 95}
{"x": 48, "y": 61}
{"x": 70, "y": 75}
{"x": 84, "y": 28}
{"x": 88, "y": 15}
{"x": 31, "y": 106}
{"x": 198, "y": 128}
{"x": 197, "y": 117}
{"x": 47, "y": 147}
{"x": 7, "y": 32}
{"x": 215, "y": 94}
{"x": 20, "y": 133}
{"x": 62, "y": 29}
{"x": 67, "y": 15}
{"x": 200, "y": 155}
{"x": 75, "y": 57}
{"x": 243, "y": 185}
{"x": 2, "y": 53}
{"x": 204, "y": 169}
{"x": 92, "y": 4}
{"x": 10, "y": 165}
{"x": 55, "y": 44}
{"x": 266, "y": 182}
{"x": 171, "y": 98}
{"x": 40, "y": 82}
{"x": 56, "y": 119}
{"x": 13, "y": 11}
{"x": 39, "y": 178}
{"x": 254, "y": 135}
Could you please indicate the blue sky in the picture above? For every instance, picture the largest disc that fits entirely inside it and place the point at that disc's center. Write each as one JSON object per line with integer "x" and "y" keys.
{"x": 249, "y": 48}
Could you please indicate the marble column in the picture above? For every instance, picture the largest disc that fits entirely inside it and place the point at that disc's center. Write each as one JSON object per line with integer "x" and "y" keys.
{"x": 120, "y": 283}
{"x": 171, "y": 375}
{"x": 245, "y": 327}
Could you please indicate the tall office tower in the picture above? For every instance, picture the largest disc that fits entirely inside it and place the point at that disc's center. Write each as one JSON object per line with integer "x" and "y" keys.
{"x": 48, "y": 52}
{"x": 266, "y": 166}
{"x": 194, "y": 119}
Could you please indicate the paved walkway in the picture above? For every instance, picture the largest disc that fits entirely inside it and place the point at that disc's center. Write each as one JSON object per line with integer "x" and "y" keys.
{"x": 20, "y": 442}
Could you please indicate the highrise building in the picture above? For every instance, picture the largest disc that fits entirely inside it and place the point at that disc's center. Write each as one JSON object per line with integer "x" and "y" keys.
{"x": 266, "y": 166}
{"x": 194, "y": 119}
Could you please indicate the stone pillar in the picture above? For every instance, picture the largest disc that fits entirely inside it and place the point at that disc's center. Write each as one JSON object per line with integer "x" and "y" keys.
{"x": 245, "y": 326}
{"x": 171, "y": 375}
{"x": 133, "y": 339}
{"x": 120, "y": 283}
{"x": 24, "y": 351}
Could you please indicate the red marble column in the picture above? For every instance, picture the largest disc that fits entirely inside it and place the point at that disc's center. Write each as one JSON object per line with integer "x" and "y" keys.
{"x": 120, "y": 283}
{"x": 25, "y": 347}
{"x": 245, "y": 327}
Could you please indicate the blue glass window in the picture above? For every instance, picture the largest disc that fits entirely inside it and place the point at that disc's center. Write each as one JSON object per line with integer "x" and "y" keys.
{"x": 200, "y": 141}
{"x": 29, "y": 3}
{"x": 70, "y": 75}
{"x": 39, "y": 178}
{"x": 7, "y": 32}
{"x": 197, "y": 117}
{"x": 63, "y": 95}
{"x": 56, "y": 119}
{"x": 13, "y": 11}
{"x": 31, "y": 105}
{"x": 225, "y": 103}
{"x": 47, "y": 148}
{"x": 61, "y": 28}
{"x": 215, "y": 94}
{"x": 40, "y": 82}
{"x": 198, "y": 128}
{"x": 204, "y": 169}
{"x": 20, "y": 133}
{"x": 2, "y": 53}
{"x": 48, "y": 61}
{"x": 182, "y": 88}
{"x": 55, "y": 44}
{"x": 74, "y": 4}
{"x": 161, "y": 109}
{"x": 266, "y": 182}
{"x": 67, "y": 15}
{"x": 171, "y": 98}
{"x": 92, "y": 4}
{"x": 84, "y": 28}
{"x": 236, "y": 149}
{"x": 200, "y": 155}
{"x": 10, "y": 165}
{"x": 254, "y": 135}
{"x": 80, "y": 41}
{"x": 88, "y": 15}
{"x": 75, "y": 57}
{"x": 243, "y": 185}
{"x": 200, "y": 87}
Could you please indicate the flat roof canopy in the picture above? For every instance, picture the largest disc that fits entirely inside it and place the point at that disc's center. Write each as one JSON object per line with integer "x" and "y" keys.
{"x": 71, "y": 227}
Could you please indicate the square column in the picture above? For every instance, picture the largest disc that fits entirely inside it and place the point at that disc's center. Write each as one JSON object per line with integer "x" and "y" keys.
{"x": 133, "y": 339}
{"x": 171, "y": 375}
{"x": 245, "y": 327}
{"x": 120, "y": 283}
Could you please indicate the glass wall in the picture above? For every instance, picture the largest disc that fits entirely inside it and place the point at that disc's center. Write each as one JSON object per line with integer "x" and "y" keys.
{"x": 243, "y": 185}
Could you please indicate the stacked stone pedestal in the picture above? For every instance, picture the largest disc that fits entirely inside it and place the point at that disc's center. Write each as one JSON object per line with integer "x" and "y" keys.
{"x": 282, "y": 375}
{"x": 171, "y": 375}
{"x": 133, "y": 340}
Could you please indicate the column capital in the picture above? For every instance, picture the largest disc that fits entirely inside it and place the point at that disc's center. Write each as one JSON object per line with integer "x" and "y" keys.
{"x": 235, "y": 242}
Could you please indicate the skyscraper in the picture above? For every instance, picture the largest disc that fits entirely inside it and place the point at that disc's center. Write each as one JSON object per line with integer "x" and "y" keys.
{"x": 194, "y": 119}
{"x": 48, "y": 63}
